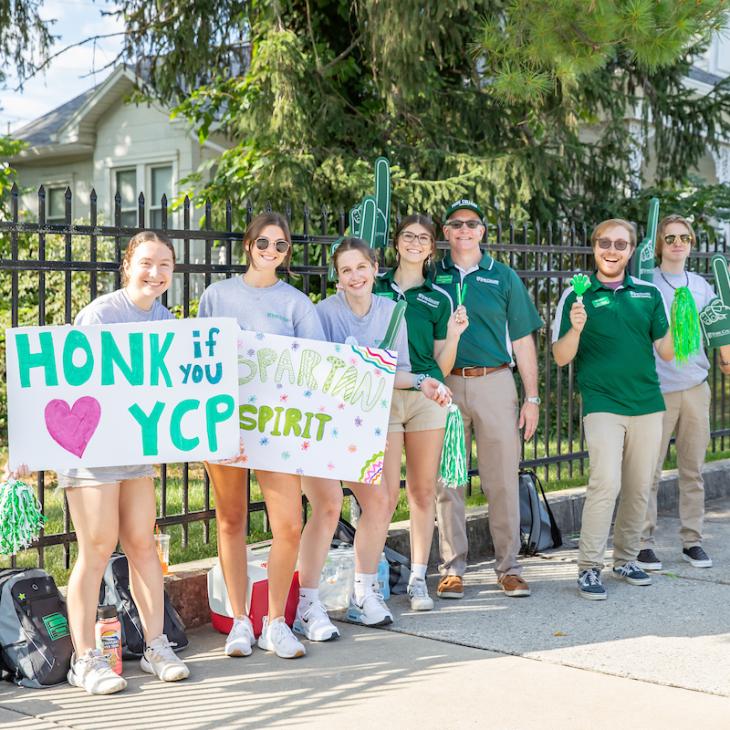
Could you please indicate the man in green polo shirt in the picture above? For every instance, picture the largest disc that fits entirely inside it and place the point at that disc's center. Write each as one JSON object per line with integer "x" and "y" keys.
{"x": 611, "y": 334}
{"x": 502, "y": 319}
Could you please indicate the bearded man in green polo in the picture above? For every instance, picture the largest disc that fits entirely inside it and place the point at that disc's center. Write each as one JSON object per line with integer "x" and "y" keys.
{"x": 611, "y": 333}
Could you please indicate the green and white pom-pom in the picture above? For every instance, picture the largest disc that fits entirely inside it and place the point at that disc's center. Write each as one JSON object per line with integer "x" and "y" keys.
{"x": 453, "y": 471}
{"x": 685, "y": 325}
{"x": 21, "y": 518}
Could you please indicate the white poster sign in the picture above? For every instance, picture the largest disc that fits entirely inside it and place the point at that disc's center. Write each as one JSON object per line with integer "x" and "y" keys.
{"x": 122, "y": 394}
{"x": 313, "y": 408}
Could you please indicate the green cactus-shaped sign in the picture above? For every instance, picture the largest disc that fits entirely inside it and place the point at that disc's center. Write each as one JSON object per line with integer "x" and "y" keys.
{"x": 642, "y": 263}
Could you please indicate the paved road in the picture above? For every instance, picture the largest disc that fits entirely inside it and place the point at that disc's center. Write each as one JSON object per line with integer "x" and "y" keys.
{"x": 654, "y": 657}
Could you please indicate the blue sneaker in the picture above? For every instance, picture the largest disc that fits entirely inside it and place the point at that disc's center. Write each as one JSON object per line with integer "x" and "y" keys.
{"x": 632, "y": 574}
{"x": 590, "y": 586}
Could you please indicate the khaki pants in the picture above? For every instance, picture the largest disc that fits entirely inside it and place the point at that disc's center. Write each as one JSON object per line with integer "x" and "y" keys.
{"x": 490, "y": 410}
{"x": 688, "y": 411}
{"x": 623, "y": 452}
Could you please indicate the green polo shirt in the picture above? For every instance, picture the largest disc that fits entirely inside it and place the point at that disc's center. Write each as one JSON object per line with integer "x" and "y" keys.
{"x": 427, "y": 316}
{"x": 615, "y": 364}
{"x": 500, "y": 310}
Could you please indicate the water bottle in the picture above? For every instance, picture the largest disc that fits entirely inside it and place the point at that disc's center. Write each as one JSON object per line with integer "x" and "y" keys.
{"x": 384, "y": 577}
{"x": 337, "y": 578}
{"x": 108, "y": 632}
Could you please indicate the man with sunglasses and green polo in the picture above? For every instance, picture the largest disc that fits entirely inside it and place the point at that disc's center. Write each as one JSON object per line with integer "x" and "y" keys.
{"x": 611, "y": 333}
{"x": 502, "y": 319}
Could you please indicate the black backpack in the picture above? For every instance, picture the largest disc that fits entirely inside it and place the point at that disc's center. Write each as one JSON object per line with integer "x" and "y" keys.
{"x": 538, "y": 529}
{"x": 35, "y": 644}
{"x": 115, "y": 592}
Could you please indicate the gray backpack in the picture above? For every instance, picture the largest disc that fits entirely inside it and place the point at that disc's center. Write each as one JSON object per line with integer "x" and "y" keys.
{"x": 538, "y": 529}
{"x": 35, "y": 644}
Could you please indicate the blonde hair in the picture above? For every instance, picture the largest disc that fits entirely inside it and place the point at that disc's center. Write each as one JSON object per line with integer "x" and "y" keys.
{"x": 603, "y": 225}
{"x": 664, "y": 223}
{"x": 135, "y": 241}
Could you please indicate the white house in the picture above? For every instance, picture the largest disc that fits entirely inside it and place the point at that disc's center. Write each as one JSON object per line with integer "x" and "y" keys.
{"x": 98, "y": 141}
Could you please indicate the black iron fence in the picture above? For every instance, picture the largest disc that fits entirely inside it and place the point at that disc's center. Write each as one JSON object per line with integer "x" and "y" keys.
{"x": 49, "y": 270}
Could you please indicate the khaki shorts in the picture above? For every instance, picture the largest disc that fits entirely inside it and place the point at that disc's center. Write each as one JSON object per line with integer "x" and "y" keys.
{"x": 103, "y": 475}
{"x": 410, "y": 410}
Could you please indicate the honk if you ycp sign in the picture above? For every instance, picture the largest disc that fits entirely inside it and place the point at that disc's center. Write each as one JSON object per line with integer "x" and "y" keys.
{"x": 122, "y": 394}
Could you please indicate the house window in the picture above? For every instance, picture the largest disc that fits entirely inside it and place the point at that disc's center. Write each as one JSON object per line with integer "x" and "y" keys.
{"x": 161, "y": 182}
{"x": 127, "y": 188}
{"x": 56, "y": 205}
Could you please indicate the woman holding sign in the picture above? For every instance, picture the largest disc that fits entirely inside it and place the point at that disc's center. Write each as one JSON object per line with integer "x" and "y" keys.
{"x": 260, "y": 302}
{"x": 113, "y": 504}
{"x": 355, "y": 316}
{"x": 683, "y": 382}
{"x": 434, "y": 329}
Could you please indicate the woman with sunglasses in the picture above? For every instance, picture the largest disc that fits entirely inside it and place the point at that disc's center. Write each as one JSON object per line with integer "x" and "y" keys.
{"x": 261, "y": 302}
{"x": 612, "y": 333}
{"x": 434, "y": 329}
{"x": 687, "y": 398}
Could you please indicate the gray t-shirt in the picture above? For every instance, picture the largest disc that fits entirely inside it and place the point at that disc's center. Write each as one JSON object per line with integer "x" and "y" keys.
{"x": 674, "y": 377}
{"x": 278, "y": 310}
{"x": 117, "y": 307}
{"x": 341, "y": 324}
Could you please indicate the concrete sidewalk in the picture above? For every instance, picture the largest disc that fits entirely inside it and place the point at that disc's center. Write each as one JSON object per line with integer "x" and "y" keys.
{"x": 653, "y": 657}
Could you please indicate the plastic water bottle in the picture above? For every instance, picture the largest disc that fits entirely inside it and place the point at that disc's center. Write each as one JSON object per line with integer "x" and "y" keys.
{"x": 384, "y": 577}
{"x": 108, "y": 633}
{"x": 338, "y": 577}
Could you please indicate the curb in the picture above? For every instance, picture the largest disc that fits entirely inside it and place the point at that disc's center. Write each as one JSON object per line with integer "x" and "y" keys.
{"x": 187, "y": 583}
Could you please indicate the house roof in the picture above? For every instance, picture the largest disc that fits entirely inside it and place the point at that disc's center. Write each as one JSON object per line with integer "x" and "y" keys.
{"x": 45, "y": 129}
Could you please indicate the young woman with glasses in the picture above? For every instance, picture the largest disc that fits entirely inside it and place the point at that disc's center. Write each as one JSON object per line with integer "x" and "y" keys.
{"x": 687, "y": 399}
{"x": 261, "y": 302}
{"x": 416, "y": 423}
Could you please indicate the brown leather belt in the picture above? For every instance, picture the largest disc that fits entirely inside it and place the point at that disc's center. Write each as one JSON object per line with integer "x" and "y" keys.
{"x": 477, "y": 371}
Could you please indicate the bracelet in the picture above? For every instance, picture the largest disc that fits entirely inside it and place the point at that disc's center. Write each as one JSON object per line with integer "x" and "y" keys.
{"x": 418, "y": 382}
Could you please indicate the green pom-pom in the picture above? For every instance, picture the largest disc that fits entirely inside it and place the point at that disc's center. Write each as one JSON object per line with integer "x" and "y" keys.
{"x": 21, "y": 518}
{"x": 685, "y": 325}
{"x": 453, "y": 471}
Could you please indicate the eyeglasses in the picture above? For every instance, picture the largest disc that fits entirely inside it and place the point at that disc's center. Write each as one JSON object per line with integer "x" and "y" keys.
{"x": 606, "y": 243}
{"x": 457, "y": 223}
{"x": 424, "y": 238}
{"x": 685, "y": 239}
{"x": 281, "y": 245}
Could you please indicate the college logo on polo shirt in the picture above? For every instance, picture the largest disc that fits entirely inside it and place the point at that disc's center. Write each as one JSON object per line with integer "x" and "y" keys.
{"x": 641, "y": 294}
{"x": 484, "y": 280}
{"x": 428, "y": 301}
{"x": 444, "y": 278}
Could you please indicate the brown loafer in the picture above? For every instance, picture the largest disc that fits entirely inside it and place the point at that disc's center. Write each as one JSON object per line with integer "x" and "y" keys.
{"x": 450, "y": 586}
{"x": 514, "y": 586}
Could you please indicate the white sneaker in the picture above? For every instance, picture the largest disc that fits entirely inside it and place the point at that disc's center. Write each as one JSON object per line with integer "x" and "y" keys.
{"x": 91, "y": 671}
{"x": 241, "y": 638}
{"x": 277, "y": 637}
{"x": 159, "y": 659}
{"x": 314, "y": 623}
{"x": 418, "y": 593}
{"x": 373, "y": 611}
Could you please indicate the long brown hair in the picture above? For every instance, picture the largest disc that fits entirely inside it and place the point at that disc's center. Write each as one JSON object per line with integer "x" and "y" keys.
{"x": 257, "y": 224}
{"x": 351, "y": 243}
{"x": 427, "y": 223}
{"x": 135, "y": 241}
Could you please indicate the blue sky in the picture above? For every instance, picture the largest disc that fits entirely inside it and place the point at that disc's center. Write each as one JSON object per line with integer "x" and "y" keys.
{"x": 72, "y": 72}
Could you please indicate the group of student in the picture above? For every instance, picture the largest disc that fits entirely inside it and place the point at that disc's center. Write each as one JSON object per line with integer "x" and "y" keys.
{"x": 443, "y": 354}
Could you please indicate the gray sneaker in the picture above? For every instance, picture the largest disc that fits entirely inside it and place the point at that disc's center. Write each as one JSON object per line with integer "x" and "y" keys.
{"x": 632, "y": 574}
{"x": 590, "y": 586}
{"x": 418, "y": 594}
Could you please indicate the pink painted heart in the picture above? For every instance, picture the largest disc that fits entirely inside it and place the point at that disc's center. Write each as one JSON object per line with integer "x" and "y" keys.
{"x": 72, "y": 428}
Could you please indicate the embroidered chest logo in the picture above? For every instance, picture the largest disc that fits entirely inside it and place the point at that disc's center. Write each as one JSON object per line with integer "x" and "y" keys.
{"x": 640, "y": 295}
{"x": 444, "y": 279}
{"x": 601, "y": 301}
{"x": 428, "y": 301}
{"x": 484, "y": 280}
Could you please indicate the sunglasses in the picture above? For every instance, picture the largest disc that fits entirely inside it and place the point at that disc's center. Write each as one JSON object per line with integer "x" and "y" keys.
{"x": 456, "y": 224}
{"x": 281, "y": 245}
{"x": 685, "y": 238}
{"x": 606, "y": 243}
{"x": 424, "y": 239}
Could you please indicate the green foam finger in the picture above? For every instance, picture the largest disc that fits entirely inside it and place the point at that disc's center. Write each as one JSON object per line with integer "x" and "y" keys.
{"x": 382, "y": 200}
{"x": 356, "y": 220}
{"x": 722, "y": 278}
{"x": 394, "y": 325}
{"x": 369, "y": 219}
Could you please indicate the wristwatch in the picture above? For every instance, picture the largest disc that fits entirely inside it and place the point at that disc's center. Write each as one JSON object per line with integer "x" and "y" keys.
{"x": 418, "y": 382}
{"x": 533, "y": 399}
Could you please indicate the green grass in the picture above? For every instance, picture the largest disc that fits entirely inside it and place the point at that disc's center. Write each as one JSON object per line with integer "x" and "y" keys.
{"x": 196, "y": 547}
